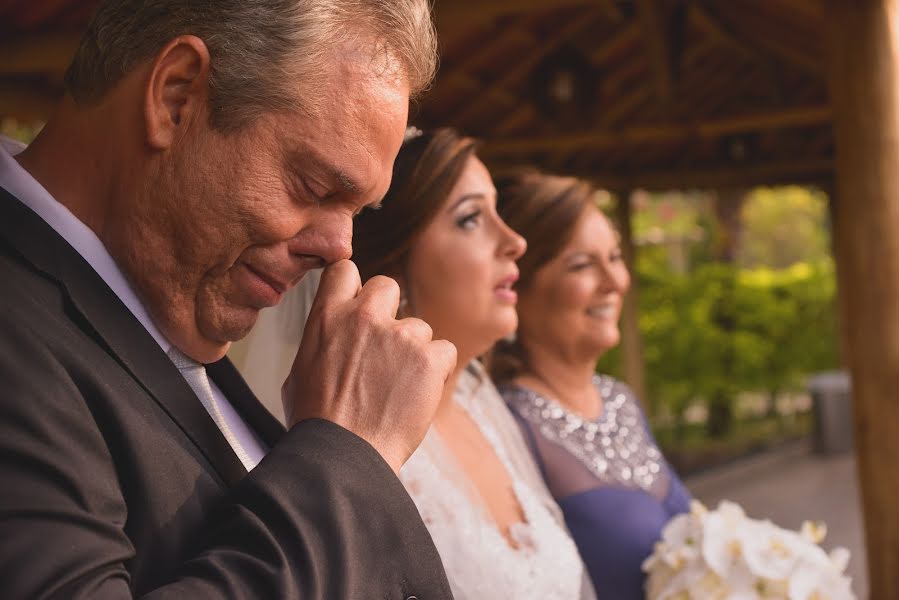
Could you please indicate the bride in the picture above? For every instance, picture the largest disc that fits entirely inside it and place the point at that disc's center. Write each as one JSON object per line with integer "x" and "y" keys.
{"x": 438, "y": 235}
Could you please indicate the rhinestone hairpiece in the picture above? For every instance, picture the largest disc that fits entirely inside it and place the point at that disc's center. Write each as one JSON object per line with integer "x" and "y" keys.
{"x": 412, "y": 132}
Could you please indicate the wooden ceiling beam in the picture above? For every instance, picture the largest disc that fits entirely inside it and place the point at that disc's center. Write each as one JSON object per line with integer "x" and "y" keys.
{"x": 759, "y": 45}
{"x": 626, "y": 35}
{"x": 471, "y": 84}
{"x": 38, "y": 53}
{"x": 784, "y": 172}
{"x": 452, "y": 13}
{"x": 672, "y": 132}
{"x": 515, "y": 119}
{"x": 24, "y": 102}
{"x": 623, "y": 106}
{"x": 723, "y": 35}
{"x": 521, "y": 68}
{"x": 714, "y": 28}
{"x": 810, "y": 171}
{"x": 611, "y": 10}
{"x": 473, "y": 59}
{"x": 658, "y": 41}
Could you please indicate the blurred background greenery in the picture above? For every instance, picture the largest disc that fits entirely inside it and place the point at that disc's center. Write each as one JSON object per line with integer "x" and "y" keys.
{"x": 734, "y": 313}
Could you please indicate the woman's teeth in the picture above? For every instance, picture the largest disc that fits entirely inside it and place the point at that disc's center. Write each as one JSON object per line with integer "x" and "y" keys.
{"x": 604, "y": 311}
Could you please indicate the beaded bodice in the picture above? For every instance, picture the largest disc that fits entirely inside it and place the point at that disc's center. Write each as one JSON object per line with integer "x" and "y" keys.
{"x": 615, "y": 447}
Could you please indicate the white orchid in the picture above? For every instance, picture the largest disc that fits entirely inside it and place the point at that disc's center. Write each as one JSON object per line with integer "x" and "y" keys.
{"x": 725, "y": 555}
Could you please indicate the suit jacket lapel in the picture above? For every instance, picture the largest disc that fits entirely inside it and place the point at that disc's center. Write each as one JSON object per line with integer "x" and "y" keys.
{"x": 108, "y": 320}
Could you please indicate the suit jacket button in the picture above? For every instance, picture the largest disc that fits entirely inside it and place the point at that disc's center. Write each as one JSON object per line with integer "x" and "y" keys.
{"x": 412, "y": 598}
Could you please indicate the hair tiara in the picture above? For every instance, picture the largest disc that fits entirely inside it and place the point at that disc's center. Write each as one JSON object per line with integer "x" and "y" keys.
{"x": 412, "y": 132}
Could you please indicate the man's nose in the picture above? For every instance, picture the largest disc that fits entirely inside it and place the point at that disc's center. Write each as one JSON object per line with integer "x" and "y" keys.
{"x": 330, "y": 237}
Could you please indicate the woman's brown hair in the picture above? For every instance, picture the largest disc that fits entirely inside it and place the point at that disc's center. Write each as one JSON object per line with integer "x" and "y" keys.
{"x": 544, "y": 209}
{"x": 424, "y": 173}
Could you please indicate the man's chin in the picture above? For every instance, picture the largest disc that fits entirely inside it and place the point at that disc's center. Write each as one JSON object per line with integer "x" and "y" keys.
{"x": 237, "y": 327}
{"x": 217, "y": 334}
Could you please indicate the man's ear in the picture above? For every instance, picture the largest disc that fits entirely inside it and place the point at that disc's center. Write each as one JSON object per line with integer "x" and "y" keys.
{"x": 177, "y": 89}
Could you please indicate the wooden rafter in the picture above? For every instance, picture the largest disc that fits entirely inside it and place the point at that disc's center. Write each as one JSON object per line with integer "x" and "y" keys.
{"x": 723, "y": 35}
{"x": 472, "y": 60}
{"x": 23, "y": 101}
{"x": 38, "y": 53}
{"x": 517, "y": 118}
{"x": 628, "y": 34}
{"x": 659, "y": 45}
{"x": 796, "y": 171}
{"x": 523, "y": 67}
{"x": 812, "y": 171}
{"x": 472, "y": 85}
{"x": 450, "y": 13}
{"x": 623, "y": 105}
{"x": 761, "y": 44}
{"x": 665, "y": 133}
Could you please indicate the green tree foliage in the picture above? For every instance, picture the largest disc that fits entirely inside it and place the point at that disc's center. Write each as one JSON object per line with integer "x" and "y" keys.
{"x": 778, "y": 327}
{"x": 713, "y": 330}
{"x": 784, "y": 226}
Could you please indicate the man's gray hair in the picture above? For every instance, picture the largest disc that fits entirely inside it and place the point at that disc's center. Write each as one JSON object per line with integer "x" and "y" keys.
{"x": 266, "y": 55}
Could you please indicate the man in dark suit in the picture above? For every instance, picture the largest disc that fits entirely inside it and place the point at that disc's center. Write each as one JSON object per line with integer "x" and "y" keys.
{"x": 207, "y": 155}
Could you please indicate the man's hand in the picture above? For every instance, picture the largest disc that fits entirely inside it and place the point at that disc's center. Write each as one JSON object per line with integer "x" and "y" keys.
{"x": 359, "y": 367}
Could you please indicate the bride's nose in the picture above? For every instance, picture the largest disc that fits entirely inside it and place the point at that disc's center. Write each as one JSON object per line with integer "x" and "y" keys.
{"x": 512, "y": 246}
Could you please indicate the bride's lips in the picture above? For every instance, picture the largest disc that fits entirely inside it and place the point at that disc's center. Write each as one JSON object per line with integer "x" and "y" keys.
{"x": 503, "y": 290}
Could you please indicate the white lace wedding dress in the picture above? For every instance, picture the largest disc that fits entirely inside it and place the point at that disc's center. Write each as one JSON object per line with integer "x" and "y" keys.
{"x": 479, "y": 561}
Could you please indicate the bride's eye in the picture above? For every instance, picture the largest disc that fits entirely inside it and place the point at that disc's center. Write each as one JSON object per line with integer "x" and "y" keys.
{"x": 469, "y": 221}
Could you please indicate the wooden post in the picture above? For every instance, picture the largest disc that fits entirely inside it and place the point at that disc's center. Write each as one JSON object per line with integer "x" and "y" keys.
{"x": 864, "y": 78}
{"x": 829, "y": 187}
{"x": 631, "y": 343}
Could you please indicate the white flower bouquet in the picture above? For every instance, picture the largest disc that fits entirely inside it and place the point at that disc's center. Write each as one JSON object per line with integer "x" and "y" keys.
{"x": 725, "y": 555}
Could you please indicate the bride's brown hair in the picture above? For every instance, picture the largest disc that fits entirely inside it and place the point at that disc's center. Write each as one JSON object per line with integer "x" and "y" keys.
{"x": 424, "y": 173}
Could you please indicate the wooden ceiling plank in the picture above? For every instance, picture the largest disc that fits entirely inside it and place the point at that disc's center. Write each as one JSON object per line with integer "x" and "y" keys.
{"x": 657, "y": 39}
{"x": 668, "y": 132}
{"x": 474, "y": 59}
{"x": 722, "y": 34}
{"x": 714, "y": 28}
{"x": 813, "y": 171}
{"x": 615, "y": 44}
{"x": 611, "y": 10}
{"x": 471, "y": 84}
{"x": 38, "y": 53}
{"x": 22, "y": 101}
{"x": 517, "y": 118}
{"x": 522, "y": 68}
{"x": 624, "y": 106}
{"x": 767, "y": 46}
{"x": 781, "y": 172}
{"x": 454, "y": 13}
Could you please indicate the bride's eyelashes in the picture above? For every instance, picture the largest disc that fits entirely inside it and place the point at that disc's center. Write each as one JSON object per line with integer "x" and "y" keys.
{"x": 469, "y": 220}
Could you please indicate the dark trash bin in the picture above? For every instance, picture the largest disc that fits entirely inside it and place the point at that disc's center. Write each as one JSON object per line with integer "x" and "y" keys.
{"x": 832, "y": 409}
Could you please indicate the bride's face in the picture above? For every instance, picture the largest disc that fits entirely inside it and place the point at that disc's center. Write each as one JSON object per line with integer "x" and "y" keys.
{"x": 462, "y": 267}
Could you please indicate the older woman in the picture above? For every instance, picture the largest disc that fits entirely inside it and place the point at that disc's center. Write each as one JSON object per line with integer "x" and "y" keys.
{"x": 587, "y": 431}
{"x": 498, "y": 531}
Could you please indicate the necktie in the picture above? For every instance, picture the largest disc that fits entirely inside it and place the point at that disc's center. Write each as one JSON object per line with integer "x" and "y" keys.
{"x": 195, "y": 375}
